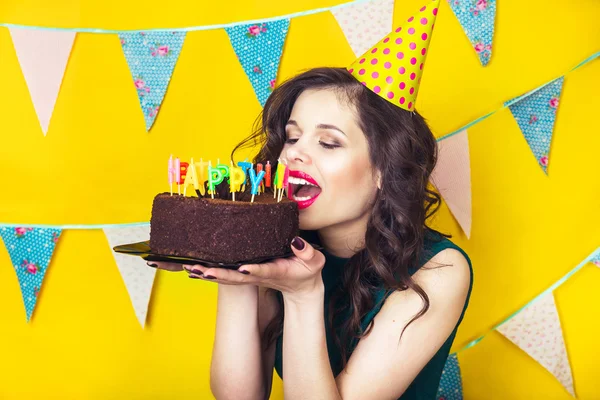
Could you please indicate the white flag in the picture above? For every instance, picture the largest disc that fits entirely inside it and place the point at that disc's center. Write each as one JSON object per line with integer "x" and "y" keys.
{"x": 365, "y": 24}
{"x": 452, "y": 177}
{"x": 537, "y": 331}
{"x": 43, "y": 56}
{"x": 138, "y": 276}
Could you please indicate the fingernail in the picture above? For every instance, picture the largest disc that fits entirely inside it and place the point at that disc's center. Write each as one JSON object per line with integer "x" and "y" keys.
{"x": 152, "y": 265}
{"x": 298, "y": 243}
{"x": 196, "y": 271}
{"x": 209, "y": 277}
{"x": 193, "y": 277}
{"x": 244, "y": 272}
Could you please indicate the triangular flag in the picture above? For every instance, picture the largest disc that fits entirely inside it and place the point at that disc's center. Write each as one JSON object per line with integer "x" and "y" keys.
{"x": 30, "y": 251}
{"x": 537, "y": 331}
{"x": 138, "y": 276}
{"x": 452, "y": 177}
{"x": 151, "y": 57}
{"x": 451, "y": 383}
{"x": 43, "y": 56}
{"x": 596, "y": 258}
{"x": 364, "y": 24}
{"x": 258, "y": 48}
{"x": 535, "y": 114}
{"x": 477, "y": 18}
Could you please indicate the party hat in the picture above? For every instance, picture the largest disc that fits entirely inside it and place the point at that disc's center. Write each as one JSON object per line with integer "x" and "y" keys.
{"x": 392, "y": 68}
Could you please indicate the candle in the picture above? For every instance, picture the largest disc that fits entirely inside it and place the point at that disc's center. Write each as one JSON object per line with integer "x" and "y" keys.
{"x": 178, "y": 174}
{"x": 268, "y": 174}
{"x": 215, "y": 177}
{"x": 236, "y": 178}
{"x": 255, "y": 181}
{"x": 171, "y": 173}
{"x": 286, "y": 175}
{"x": 191, "y": 178}
{"x": 245, "y": 166}
{"x": 280, "y": 178}
{"x": 224, "y": 168}
{"x": 259, "y": 168}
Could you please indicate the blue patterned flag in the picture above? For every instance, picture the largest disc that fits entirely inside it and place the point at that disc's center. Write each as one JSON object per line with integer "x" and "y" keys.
{"x": 258, "y": 48}
{"x": 151, "y": 57}
{"x": 535, "y": 114}
{"x": 477, "y": 18}
{"x": 451, "y": 382}
{"x": 30, "y": 251}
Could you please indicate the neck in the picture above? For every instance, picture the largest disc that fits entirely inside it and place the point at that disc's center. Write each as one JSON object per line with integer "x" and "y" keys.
{"x": 345, "y": 239}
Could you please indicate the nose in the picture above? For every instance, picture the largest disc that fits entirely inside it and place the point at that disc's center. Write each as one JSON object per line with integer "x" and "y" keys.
{"x": 297, "y": 153}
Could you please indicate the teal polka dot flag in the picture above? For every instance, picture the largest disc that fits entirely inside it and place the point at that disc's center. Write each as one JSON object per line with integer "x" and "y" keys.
{"x": 151, "y": 57}
{"x": 30, "y": 251}
{"x": 258, "y": 48}
{"x": 535, "y": 114}
{"x": 451, "y": 382}
{"x": 477, "y": 18}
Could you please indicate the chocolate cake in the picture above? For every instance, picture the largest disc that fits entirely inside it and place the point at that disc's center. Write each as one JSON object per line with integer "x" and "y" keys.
{"x": 221, "y": 230}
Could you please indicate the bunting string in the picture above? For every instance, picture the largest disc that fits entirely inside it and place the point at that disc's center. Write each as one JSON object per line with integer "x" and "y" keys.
{"x": 190, "y": 28}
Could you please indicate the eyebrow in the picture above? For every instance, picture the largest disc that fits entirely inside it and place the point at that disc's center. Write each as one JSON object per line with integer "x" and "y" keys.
{"x": 319, "y": 126}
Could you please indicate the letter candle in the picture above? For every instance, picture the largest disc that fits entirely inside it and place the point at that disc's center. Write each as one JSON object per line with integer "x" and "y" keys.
{"x": 191, "y": 178}
{"x": 178, "y": 174}
{"x": 215, "y": 176}
{"x": 259, "y": 168}
{"x": 171, "y": 173}
{"x": 255, "y": 181}
{"x": 236, "y": 177}
{"x": 183, "y": 172}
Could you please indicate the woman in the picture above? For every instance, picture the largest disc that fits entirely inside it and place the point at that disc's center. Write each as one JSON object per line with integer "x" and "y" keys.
{"x": 372, "y": 315}
{"x": 386, "y": 278}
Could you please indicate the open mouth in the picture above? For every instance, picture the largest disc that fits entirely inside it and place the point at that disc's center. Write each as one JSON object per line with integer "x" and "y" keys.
{"x": 303, "y": 189}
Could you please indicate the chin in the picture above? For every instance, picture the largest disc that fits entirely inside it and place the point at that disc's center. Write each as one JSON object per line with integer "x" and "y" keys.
{"x": 308, "y": 224}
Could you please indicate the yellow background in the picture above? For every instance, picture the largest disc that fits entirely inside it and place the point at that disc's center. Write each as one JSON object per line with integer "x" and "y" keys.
{"x": 98, "y": 165}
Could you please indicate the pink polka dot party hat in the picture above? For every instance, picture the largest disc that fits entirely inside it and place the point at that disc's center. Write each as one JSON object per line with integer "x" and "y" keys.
{"x": 392, "y": 68}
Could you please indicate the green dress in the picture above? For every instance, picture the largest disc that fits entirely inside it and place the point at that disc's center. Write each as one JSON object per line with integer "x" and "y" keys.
{"x": 425, "y": 385}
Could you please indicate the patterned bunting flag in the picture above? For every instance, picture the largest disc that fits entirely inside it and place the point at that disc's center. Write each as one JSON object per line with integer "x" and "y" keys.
{"x": 258, "y": 48}
{"x": 138, "y": 277}
{"x": 452, "y": 177}
{"x": 43, "y": 56}
{"x": 451, "y": 383}
{"x": 365, "y": 24}
{"x": 596, "y": 258}
{"x": 151, "y": 57}
{"x": 537, "y": 331}
{"x": 30, "y": 251}
{"x": 535, "y": 114}
{"x": 477, "y": 18}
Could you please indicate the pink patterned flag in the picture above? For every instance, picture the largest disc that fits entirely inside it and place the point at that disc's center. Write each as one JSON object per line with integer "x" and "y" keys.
{"x": 43, "y": 56}
{"x": 452, "y": 177}
{"x": 365, "y": 24}
{"x": 537, "y": 331}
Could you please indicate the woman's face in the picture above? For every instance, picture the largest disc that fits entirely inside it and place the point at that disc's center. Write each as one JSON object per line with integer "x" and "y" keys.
{"x": 331, "y": 177}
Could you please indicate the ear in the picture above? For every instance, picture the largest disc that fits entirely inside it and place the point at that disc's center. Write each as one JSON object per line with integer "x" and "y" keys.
{"x": 378, "y": 179}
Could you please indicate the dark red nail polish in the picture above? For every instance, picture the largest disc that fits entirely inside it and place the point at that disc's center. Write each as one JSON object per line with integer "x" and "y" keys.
{"x": 193, "y": 277}
{"x": 196, "y": 271}
{"x": 298, "y": 243}
{"x": 152, "y": 265}
{"x": 209, "y": 277}
{"x": 244, "y": 272}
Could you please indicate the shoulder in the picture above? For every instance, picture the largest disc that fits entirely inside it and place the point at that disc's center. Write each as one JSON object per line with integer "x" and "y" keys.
{"x": 445, "y": 279}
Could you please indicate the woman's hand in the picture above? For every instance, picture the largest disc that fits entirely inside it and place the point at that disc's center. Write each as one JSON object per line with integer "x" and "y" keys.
{"x": 293, "y": 276}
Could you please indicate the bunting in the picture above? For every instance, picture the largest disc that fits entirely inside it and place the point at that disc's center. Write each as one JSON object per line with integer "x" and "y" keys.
{"x": 43, "y": 57}
{"x": 451, "y": 382}
{"x": 30, "y": 251}
{"x": 151, "y": 57}
{"x": 137, "y": 276}
{"x": 535, "y": 113}
{"x": 258, "y": 48}
{"x": 365, "y": 24}
{"x": 537, "y": 331}
{"x": 477, "y": 18}
{"x": 452, "y": 177}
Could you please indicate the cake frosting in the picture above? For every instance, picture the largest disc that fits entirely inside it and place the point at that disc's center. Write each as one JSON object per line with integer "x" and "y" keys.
{"x": 220, "y": 230}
